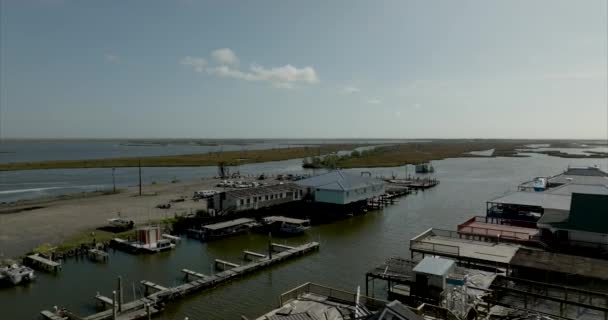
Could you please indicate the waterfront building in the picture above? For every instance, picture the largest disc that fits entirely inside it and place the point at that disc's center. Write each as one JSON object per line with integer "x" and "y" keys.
{"x": 555, "y": 197}
{"x": 339, "y": 187}
{"x": 584, "y": 225}
{"x": 254, "y": 198}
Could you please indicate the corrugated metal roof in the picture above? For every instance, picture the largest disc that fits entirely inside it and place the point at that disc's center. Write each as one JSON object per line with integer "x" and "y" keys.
{"x": 586, "y": 171}
{"x": 536, "y": 199}
{"x": 227, "y": 224}
{"x": 589, "y": 212}
{"x": 578, "y": 179}
{"x": 562, "y": 263}
{"x": 434, "y": 266}
{"x": 571, "y": 188}
{"x": 285, "y": 219}
{"x": 295, "y": 316}
{"x": 262, "y": 191}
{"x": 339, "y": 180}
{"x": 551, "y": 216}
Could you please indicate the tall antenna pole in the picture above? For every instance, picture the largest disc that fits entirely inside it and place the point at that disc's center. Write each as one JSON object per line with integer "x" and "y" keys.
{"x": 140, "y": 177}
{"x": 113, "y": 181}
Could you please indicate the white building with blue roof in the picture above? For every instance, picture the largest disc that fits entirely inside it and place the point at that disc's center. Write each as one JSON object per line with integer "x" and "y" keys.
{"x": 339, "y": 187}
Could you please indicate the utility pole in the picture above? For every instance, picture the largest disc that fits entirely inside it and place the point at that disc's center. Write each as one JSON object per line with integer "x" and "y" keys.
{"x": 113, "y": 181}
{"x": 269, "y": 245}
{"x": 139, "y": 177}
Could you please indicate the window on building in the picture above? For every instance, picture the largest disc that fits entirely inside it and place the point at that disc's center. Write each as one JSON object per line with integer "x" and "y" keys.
{"x": 248, "y": 200}
{"x": 242, "y": 201}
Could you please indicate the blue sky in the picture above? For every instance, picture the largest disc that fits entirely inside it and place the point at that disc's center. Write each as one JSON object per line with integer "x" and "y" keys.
{"x": 309, "y": 69}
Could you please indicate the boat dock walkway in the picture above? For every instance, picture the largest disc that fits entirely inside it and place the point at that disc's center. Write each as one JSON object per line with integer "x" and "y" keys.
{"x": 51, "y": 316}
{"x": 40, "y": 262}
{"x": 195, "y": 274}
{"x": 252, "y": 256}
{"x": 200, "y": 282}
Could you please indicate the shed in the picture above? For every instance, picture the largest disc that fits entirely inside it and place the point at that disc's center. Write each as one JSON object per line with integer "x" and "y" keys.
{"x": 435, "y": 270}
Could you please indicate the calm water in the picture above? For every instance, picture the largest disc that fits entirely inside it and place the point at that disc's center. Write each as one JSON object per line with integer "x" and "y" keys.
{"x": 349, "y": 248}
{"x": 28, "y": 184}
{"x": 40, "y": 150}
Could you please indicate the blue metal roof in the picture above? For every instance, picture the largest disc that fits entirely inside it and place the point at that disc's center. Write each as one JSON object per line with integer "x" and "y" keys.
{"x": 339, "y": 180}
{"x": 434, "y": 266}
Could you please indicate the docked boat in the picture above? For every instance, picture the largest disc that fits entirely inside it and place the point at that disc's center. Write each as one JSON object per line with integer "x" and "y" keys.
{"x": 539, "y": 184}
{"x": 148, "y": 239}
{"x": 286, "y": 226}
{"x": 121, "y": 223}
{"x": 16, "y": 274}
{"x": 426, "y": 167}
{"x": 227, "y": 228}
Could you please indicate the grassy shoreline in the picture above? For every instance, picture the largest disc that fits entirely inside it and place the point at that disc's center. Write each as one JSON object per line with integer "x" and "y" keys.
{"x": 188, "y": 160}
{"x": 385, "y": 155}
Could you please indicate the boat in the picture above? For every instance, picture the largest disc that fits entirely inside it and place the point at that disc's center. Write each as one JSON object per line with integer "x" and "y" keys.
{"x": 121, "y": 223}
{"x": 539, "y": 184}
{"x": 227, "y": 228}
{"x": 16, "y": 273}
{"x": 286, "y": 226}
{"x": 425, "y": 168}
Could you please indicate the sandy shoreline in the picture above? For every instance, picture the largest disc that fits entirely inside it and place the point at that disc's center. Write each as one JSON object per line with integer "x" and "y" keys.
{"x": 53, "y": 220}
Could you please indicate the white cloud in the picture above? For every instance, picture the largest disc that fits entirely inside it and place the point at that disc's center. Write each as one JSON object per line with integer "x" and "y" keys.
{"x": 112, "y": 58}
{"x": 374, "y": 101}
{"x": 224, "y": 56}
{"x": 350, "y": 89}
{"x": 398, "y": 113}
{"x": 281, "y": 77}
{"x": 416, "y": 106}
{"x": 198, "y": 64}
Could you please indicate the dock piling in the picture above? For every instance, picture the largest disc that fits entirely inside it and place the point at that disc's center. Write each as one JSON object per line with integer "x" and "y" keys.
{"x": 119, "y": 294}
{"x": 114, "y": 314}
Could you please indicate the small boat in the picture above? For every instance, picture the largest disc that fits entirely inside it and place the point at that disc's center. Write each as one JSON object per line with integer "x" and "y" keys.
{"x": 287, "y": 226}
{"x": 539, "y": 184}
{"x": 16, "y": 273}
{"x": 121, "y": 223}
{"x": 425, "y": 168}
{"x": 98, "y": 255}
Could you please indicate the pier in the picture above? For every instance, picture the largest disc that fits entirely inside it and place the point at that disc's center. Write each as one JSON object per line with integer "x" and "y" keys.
{"x": 189, "y": 273}
{"x": 224, "y": 265}
{"x": 252, "y": 256}
{"x": 137, "y": 308}
{"x": 39, "y": 262}
{"x": 149, "y": 285}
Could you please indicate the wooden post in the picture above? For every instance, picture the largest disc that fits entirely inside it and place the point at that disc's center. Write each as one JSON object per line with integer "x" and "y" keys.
{"x": 119, "y": 294}
{"x": 114, "y": 305}
{"x": 139, "y": 177}
{"x": 148, "y": 312}
{"x": 269, "y": 245}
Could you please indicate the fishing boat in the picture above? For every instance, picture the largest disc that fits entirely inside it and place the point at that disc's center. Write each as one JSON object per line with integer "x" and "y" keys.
{"x": 286, "y": 226}
{"x": 16, "y": 273}
{"x": 227, "y": 228}
{"x": 539, "y": 184}
{"x": 425, "y": 168}
{"x": 121, "y": 223}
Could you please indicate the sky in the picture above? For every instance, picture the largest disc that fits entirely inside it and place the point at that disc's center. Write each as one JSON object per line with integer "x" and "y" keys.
{"x": 303, "y": 69}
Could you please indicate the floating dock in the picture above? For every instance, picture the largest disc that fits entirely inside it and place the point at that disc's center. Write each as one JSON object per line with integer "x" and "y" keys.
{"x": 136, "y": 308}
{"x": 39, "y": 262}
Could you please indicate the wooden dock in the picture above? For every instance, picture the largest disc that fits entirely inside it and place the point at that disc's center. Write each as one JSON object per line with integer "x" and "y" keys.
{"x": 39, "y": 262}
{"x": 224, "y": 265}
{"x": 252, "y": 256}
{"x": 137, "y": 308}
{"x": 277, "y": 247}
{"x": 190, "y": 273}
{"x": 149, "y": 285}
{"x": 51, "y": 316}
